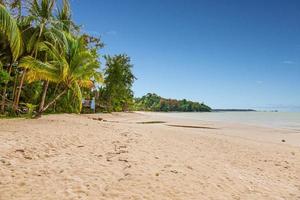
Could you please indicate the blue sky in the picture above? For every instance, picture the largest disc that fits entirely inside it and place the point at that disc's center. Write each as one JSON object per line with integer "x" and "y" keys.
{"x": 228, "y": 54}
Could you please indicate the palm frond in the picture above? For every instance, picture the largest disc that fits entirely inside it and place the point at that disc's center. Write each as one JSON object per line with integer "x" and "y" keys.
{"x": 8, "y": 25}
{"x": 39, "y": 70}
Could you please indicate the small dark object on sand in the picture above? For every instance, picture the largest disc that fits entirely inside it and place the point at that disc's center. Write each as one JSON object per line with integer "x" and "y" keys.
{"x": 187, "y": 126}
{"x": 20, "y": 150}
{"x": 98, "y": 118}
{"x": 151, "y": 122}
{"x": 282, "y": 140}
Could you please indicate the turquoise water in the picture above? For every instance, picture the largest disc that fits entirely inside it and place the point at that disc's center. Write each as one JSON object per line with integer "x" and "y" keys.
{"x": 289, "y": 120}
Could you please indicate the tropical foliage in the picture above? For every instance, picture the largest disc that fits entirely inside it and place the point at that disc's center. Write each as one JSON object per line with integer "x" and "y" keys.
{"x": 118, "y": 79}
{"x": 45, "y": 59}
{"x": 153, "y": 102}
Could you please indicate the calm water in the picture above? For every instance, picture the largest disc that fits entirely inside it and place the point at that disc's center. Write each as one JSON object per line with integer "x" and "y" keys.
{"x": 290, "y": 120}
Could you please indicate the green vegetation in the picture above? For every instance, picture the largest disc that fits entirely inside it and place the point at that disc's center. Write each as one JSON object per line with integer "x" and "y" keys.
{"x": 48, "y": 65}
{"x": 153, "y": 102}
{"x": 116, "y": 95}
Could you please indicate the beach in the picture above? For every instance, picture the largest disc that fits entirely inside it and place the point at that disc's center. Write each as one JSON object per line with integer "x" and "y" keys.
{"x": 145, "y": 156}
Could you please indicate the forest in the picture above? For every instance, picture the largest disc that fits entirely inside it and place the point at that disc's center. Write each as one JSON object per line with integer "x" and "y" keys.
{"x": 153, "y": 102}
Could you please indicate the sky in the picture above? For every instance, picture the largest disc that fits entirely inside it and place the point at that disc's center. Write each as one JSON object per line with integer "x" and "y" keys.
{"x": 225, "y": 53}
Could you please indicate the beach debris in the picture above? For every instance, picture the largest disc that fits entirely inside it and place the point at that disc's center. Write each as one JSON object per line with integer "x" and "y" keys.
{"x": 80, "y": 146}
{"x": 98, "y": 118}
{"x": 157, "y": 174}
{"x": 189, "y": 167}
{"x": 174, "y": 171}
{"x": 20, "y": 150}
{"x": 123, "y": 160}
{"x": 282, "y": 140}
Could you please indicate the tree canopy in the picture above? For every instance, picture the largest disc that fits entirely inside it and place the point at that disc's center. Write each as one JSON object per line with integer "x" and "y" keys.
{"x": 153, "y": 102}
{"x": 118, "y": 79}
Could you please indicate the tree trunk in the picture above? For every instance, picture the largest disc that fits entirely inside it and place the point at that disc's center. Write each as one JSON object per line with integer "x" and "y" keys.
{"x": 39, "y": 114}
{"x": 18, "y": 94}
{"x": 15, "y": 86}
{"x": 4, "y": 92}
{"x": 46, "y": 84}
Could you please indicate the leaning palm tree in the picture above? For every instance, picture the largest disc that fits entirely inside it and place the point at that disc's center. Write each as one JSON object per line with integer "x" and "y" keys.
{"x": 61, "y": 22}
{"x": 71, "y": 65}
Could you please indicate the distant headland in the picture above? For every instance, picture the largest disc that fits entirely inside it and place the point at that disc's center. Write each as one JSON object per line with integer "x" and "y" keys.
{"x": 233, "y": 110}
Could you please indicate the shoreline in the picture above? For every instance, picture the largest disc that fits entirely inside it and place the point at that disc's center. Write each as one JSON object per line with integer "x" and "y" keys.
{"x": 71, "y": 156}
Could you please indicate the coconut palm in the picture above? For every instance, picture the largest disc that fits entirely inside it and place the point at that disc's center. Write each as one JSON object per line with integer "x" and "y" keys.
{"x": 53, "y": 51}
{"x": 61, "y": 22}
{"x": 71, "y": 66}
{"x": 9, "y": 27}
{"x": 41, "y": 13}
{"x": 12, "y": 39}
{"x": 63, "y": 18}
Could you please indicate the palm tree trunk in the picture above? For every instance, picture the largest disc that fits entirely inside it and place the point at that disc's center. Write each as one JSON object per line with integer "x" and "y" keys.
{"x": 18, "y": 94}
{"x": 14, "y": 88}
{"x": 39, "y": 114}
{"x": 4, "y": 92}
{"x": 46, "y": 84}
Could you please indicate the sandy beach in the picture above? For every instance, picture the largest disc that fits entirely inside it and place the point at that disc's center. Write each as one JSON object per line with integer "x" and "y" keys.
{"x": 127, "y": 156}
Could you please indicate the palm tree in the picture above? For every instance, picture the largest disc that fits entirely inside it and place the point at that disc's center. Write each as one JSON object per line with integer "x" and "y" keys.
{"x": 9, "y": 27}
{"x": 62, "y": 22}
{"x": 52, "y": 51}
{"x": 71, "y": 65}
{"x": 10, "y": 30}
{"x": 41, "y": 13}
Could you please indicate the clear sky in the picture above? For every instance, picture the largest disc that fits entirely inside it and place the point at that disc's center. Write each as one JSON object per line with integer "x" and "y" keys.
{"x": 228, "y": 54}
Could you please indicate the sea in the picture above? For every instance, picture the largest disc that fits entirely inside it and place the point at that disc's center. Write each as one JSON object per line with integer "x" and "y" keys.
{"x": 285, "y": 120}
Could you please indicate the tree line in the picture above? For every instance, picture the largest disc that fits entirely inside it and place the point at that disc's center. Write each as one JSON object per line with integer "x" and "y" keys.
{"x": 48, "y": 64}
{"x": 153, "y": 102}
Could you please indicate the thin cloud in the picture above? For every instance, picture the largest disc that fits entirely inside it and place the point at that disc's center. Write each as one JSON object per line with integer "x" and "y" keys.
{"x": 98, "y": 34}
{"x": 112, "y": 32}
{"x": 288, "y": 62}
{"x": 89, "y": 32}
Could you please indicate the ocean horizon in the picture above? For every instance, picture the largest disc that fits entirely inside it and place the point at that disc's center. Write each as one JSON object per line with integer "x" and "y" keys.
{"x": 284, "y": 120}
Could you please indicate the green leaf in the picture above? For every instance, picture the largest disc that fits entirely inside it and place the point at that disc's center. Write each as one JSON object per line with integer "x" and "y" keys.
{"x": 9, "y": 27}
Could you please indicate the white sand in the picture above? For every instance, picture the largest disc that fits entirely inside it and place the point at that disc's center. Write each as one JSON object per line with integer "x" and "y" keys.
{"x": 76, "y": 157}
